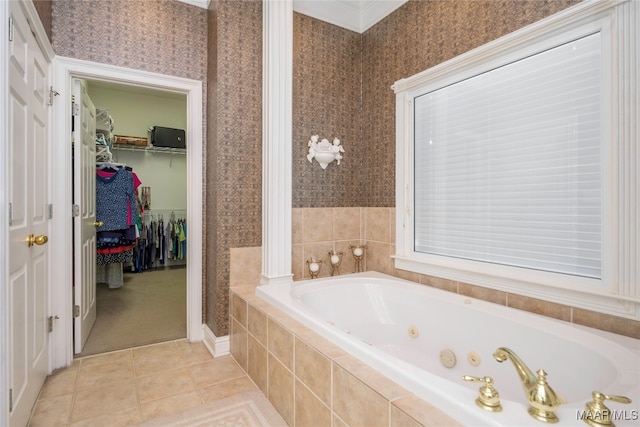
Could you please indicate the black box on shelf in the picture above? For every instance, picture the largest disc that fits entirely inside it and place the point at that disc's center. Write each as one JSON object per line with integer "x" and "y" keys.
{"x": 168, "y": 137}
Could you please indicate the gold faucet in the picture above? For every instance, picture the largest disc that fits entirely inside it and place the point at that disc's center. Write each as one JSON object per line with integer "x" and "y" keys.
{"x": 543, "y": 401}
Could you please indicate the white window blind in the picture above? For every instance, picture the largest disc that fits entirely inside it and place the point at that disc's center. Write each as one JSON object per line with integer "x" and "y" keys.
{"x": 508, "y": 164}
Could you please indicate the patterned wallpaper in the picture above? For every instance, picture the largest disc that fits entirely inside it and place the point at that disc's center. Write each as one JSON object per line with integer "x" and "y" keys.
{"x": 415, "y": 37}
{"x": 44, "y": 9}
{"x": 168, "y": 38}
{"x": 327, "y": 69}
{"x": 234, "y": 152}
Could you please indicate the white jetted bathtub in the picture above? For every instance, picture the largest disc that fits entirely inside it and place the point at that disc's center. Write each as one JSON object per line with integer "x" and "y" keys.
{"x": 409, "y": 332}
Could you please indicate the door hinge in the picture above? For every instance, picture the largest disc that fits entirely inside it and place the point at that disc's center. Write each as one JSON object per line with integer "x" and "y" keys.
{"x": 10, "y": 214}
{"x": 52, "y": 93}
{"x": 50, "y": 211}
{"x": 10, "y": 29}
{"x": 75, "y": 210}
{"x": 75, "y": 109}
{"x": 50, "y": 323}
{"x": 10, "y": 400}
{"x": 76, "y": 311}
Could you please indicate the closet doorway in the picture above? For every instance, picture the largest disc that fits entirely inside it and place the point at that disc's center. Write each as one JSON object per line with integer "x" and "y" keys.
{"x": 68, "y": 69}
{"x": 141, "y": 279}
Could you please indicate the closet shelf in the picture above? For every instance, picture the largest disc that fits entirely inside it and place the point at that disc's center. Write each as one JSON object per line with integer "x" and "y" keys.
{"x": 168, "y": 150}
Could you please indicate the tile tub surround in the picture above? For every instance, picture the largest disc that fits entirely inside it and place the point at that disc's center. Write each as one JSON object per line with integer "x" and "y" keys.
{"x": 311, "y": 381}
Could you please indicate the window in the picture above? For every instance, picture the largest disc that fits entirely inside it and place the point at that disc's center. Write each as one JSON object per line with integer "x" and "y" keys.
{"x": 507, "y": 164}
{"x": 516, "y": 162}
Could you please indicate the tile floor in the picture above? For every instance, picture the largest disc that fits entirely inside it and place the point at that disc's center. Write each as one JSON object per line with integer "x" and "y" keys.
{"x": 126, "y": 387}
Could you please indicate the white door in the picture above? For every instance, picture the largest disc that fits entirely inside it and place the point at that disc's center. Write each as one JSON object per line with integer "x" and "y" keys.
{"x": 29, "y": 151}
{"x": 84, "y": 221}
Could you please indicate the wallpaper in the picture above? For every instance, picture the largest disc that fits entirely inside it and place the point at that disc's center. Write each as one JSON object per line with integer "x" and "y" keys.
{"x": 327, "y": 70}
{"x": 44, "y": 9}
{"x": 417, "y": 36}
{"x": 234, "y": 152}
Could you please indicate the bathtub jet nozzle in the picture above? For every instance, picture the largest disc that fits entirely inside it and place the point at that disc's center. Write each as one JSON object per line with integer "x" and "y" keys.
{"x": 543, "y": 401}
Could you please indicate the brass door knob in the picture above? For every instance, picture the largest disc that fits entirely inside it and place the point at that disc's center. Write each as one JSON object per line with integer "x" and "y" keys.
{"x": 98, "y": 223}
{"x": 37, "y": 240}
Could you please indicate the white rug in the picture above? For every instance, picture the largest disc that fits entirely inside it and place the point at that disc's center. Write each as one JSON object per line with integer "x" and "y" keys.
{"x": 249, "y": 409}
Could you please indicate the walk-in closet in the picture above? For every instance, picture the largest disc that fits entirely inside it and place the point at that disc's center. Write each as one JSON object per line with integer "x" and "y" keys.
{"x": 141, "y": 217}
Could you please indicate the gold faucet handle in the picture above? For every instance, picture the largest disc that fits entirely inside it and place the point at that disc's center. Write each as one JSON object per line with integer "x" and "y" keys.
{"x": 597, "y": 414}
{"x": 489, "y": 398}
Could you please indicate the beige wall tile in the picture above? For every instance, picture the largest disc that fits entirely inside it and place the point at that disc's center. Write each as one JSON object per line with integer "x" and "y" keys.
{"x": 309, "y": 410}
{"x": 314, "y": 370}
{"x": 346, "y": 224}
{"x": 257, "y": 364}
{"x": 485, "y": 294}
{"x": 356, "y": 403}
{"x": 239, "y": 309}
{"x": 245, "y": 266}
{"x": 401, "y": 419}
{"x": 317, "y": 225}
{"x": 533, "y": 305}
{"x": 296, "y": 222}
{"x": 297, "y": 261}
{"x": 281, "y": 343}
{"x": 238, "y": 343}
{"x": 422, "y": 412}
{"x": 257, "y": 322}
{"x": 377, "y": 225}
{"x": 378, "y": 257}
{"x": 617, "y": 325}
{"x": 370, "y": 377}
{"x": 281, "y": 389}
{"x": 440, "y": 283}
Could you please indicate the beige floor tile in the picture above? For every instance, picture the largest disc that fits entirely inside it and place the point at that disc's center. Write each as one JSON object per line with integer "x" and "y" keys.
{"x": 215, "y": 371}
{"x": 101, "y": 359}
{"x": 227, "y": 388}
{"x": 170, "y": 405}
{"x": 59, "y": 383}
{"x": 194, "y": 353}
{"x": 165, "y": 349}
{"x": 92, "y": 377}
{"x": 104, "y": 399}
{"x": 165, "y": 384}
{"x": 52, "y": 412}
{"x": 120, "y": 418}
{"x": 156, "y": 363}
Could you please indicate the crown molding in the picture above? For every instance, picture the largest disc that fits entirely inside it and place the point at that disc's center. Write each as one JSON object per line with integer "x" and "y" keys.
{"x": 354, "y": 15}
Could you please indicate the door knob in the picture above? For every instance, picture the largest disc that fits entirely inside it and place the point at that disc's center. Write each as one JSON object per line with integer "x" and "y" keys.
{"x": 37, "y": 240}
{"x": 98, "y": 223}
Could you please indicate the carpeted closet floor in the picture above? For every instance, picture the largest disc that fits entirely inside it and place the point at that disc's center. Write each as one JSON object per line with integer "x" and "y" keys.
{"x": 150, "y": 307}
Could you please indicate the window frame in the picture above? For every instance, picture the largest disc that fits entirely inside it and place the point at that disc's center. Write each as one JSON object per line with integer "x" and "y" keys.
{"x": 605, "y": 295}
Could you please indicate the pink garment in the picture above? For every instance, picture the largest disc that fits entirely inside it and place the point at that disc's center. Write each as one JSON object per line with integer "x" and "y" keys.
{"x": 136, "y": 184}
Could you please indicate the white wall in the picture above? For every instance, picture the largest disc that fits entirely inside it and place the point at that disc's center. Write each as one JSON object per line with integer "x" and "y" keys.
{"x": 134, "y": 110}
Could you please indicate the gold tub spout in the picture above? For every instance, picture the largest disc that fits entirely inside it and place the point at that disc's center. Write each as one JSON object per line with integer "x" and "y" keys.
{"x": 543, "y": 401}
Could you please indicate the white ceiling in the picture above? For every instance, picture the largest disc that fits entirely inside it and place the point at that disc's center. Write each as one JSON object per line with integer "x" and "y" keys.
{"x": 355, "y": 15}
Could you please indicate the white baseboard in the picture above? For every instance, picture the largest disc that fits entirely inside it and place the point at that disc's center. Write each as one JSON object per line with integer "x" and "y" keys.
{"x": 217, "y": 346}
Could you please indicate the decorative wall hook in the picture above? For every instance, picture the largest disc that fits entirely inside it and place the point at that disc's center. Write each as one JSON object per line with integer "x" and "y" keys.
{"x": 324, "y": 152}
{"x": 336, "y": 259}
{"x": 358, "y": 255}
{"x": 313, "y": 266}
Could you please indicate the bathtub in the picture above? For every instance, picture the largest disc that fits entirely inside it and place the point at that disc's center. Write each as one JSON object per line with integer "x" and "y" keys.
{"x": 407, "y": 331}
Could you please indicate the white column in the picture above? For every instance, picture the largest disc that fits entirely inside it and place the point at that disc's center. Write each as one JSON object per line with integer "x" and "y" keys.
{"x": 276, "y": 140}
